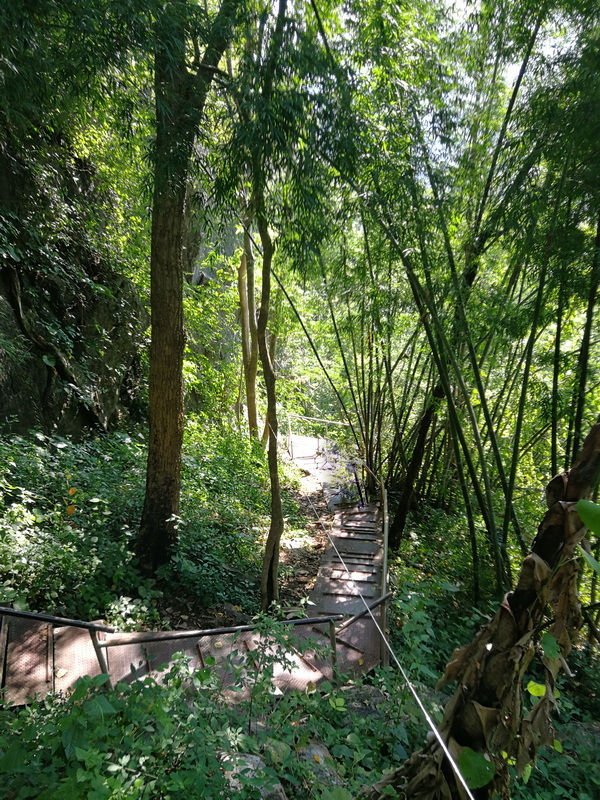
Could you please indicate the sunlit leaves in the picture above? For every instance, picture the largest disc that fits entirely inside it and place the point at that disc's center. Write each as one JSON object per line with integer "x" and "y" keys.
{"x": 590, "y": 560}
{"x": 536, "y": 689}
{"x": 590, "y": 515}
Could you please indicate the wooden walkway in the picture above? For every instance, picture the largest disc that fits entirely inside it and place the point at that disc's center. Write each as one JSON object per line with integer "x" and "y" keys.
{"x": 37, "y": 657}
{"x": 356, "y": 544}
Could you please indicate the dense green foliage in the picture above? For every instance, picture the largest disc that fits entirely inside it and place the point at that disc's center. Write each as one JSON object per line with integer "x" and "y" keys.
{"x": 70, "y": 512}
{"x": 178, "y": 738}
{"x": 428, "y": 177}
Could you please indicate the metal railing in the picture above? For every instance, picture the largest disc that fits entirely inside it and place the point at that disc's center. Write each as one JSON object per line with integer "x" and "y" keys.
{"x": 53, "y": 620}
{"x": 326, "y": 422}
{"x": 92, "y": 627}
{"x": 161, "y": 636}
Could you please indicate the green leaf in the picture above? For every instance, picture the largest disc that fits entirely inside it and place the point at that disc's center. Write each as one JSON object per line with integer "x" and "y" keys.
{"x": 590, "y": 560}
{"x": 527, "y": 773}
{"x": 557, "y": 746}
{"x": 14, "y": 760}
{"x": 342, "y": 751}
{"x": 279, "y": 751}
{"x": 590, "y": 514}
{"x": 49, "y": 361}
{"x": 81, "y": 690}
{"x": 98, "y": 680}
{"x": 73, "y": 737}
{"x": 550, "y": 646}
{"x": 536, "y": 689}
{"x": 336, "y": 793}
{"x": 105, "y": 706}
{"x": 475, "y": 768}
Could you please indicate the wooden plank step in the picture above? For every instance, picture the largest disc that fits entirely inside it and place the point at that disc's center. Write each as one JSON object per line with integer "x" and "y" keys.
{"x": 356, "y": 547}
{"x": 351, "y": 558}
{"x": 359, "y": 527}
{"x": 74, "y": 656}
{"x": 29, "y": 661}
{"x": 347, "y": 516}
{"x": 348, "y": 589}
{"x": 357, "y": 572}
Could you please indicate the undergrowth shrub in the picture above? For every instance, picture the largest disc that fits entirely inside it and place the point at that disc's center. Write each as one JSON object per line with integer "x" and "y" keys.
{"x": 430, "y": 617}
{"x": 69, "y": 514}
{"x": 570, "y": 768}
{"x": 225, "y": 511}
{"x": 177, "y": 738}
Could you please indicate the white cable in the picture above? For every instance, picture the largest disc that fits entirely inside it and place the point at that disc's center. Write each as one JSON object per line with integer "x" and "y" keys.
{"x": 405, "y": 677}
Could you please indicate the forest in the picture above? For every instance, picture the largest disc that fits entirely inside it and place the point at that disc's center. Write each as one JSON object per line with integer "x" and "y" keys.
{"x": 223, "y": 221}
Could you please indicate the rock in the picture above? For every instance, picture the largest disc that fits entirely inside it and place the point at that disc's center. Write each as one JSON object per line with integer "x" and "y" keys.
{"x": 236, "y": 615}
{"x": 98, "y": 382}
{"x": 364, "y": 700}
{"x": 245, "y": 766}
{"x": 321, "y": 762}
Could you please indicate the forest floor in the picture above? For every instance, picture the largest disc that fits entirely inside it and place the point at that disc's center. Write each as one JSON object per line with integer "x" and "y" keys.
{"x": 300, "y": 558}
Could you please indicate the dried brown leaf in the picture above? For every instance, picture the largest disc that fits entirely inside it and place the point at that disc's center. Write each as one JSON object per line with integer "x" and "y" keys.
{"x": 489, "y": 720}
{"x": 458, "y": 661}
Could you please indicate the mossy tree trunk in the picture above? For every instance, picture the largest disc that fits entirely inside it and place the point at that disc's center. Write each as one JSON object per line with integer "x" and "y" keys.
{"x": 180, "y": 97}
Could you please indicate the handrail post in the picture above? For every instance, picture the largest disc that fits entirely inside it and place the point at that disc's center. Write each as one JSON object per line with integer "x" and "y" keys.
{"x": 100, "y": 656}
{"x": 333, "y": 640}
{"x": 3, "y": 644}
{"x": 385, "y": 653}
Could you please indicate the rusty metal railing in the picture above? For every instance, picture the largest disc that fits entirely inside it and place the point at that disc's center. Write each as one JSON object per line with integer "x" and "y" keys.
{"x": 160, "y": 636}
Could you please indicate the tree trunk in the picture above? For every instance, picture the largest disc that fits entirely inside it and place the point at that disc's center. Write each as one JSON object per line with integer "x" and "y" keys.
{"x": 584, "y": 352}
{"x": 556, "y": 377}
{"x": 158, "y": 530}
{"x": 269, "y": 585}
{"x": 180, "y": 98}
{"x": 248, "y": 325}
{"x": 412, "y": 471}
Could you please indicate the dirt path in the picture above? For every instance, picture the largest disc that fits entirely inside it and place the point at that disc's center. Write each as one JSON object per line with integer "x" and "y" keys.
{"x": 302, "y": 546}
{"x": 301, "y": 556}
